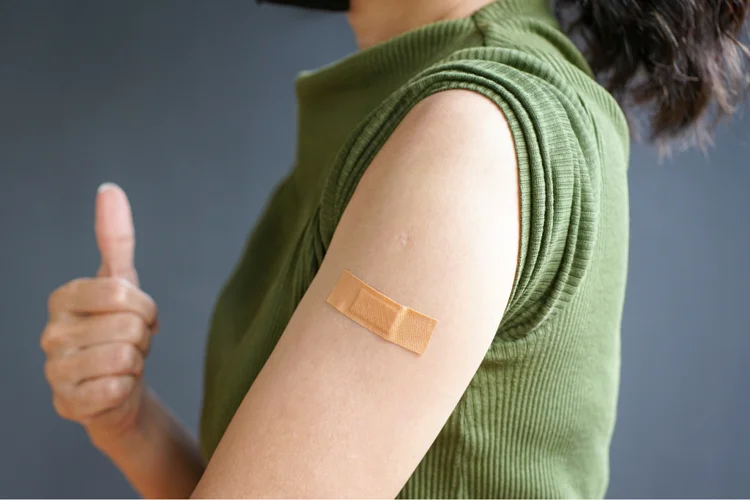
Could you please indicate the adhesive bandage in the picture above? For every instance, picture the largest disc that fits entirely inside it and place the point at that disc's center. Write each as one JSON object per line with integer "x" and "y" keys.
{"x": 385, "y": 317}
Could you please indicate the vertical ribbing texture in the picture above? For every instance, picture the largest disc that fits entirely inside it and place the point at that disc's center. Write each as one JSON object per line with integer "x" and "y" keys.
{"x": 537, "y": 418}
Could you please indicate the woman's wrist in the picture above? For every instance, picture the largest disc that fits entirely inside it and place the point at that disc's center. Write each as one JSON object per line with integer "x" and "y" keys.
{"x": 157, "y": 454}
{"x": 128, "y": 436}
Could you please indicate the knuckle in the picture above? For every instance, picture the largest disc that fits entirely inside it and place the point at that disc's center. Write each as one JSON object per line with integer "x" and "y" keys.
{"x": 62, "y": 372}
{"x": 61, "y": 407}
{"x": 74, "y": 287}
{"x": 52, "y": 337}
{"x": 131, "y": 325}
{"x": 134, "y": 330}
{"x": 57, "y": 300}
{"x": 54, "y": 301}
{"x": 117, "y": 292}
{"x": 150, "y": 307}
{"x": 126, "y": 358}
{"x": 116, "y": 390}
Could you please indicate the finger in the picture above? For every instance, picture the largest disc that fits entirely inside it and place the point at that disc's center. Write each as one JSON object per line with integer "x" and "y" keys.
{"x": 101, "y": 295}
{"x": 63, "y": 337}
{"x": 94, "y": 362}
{"x": 94, "y": 396}
{"x": 115, "y": 233}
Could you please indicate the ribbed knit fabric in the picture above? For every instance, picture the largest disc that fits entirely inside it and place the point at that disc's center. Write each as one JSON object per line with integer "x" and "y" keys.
{"x": 537, "y": 418}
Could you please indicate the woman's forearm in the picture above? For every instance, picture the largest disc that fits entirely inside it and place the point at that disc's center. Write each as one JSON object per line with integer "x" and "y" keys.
{"x": 159, "y": 457}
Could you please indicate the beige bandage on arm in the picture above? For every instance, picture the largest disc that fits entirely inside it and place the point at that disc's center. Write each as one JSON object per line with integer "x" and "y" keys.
{"x": 396, "y": 323}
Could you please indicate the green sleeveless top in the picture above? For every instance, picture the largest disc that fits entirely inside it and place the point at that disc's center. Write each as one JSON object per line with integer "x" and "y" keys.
{"x": 537, "y": 418}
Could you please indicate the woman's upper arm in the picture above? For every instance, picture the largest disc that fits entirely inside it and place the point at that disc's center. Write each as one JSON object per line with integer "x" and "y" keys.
{"x": 338, "y": 411}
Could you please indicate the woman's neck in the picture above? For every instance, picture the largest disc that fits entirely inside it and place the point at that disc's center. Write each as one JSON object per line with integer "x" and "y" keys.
{"x": 374, "y": 21}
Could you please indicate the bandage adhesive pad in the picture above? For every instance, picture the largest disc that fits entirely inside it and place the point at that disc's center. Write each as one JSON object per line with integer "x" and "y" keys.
{"x": 385, "y": 317}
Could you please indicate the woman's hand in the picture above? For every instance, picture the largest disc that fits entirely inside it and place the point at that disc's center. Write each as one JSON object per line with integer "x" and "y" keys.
{"x": 96, "y": 341}
{"x": 99, "y": 331}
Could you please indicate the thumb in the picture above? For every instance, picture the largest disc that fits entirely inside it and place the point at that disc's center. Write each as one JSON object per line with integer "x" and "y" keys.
{"x": 115, "y": 234}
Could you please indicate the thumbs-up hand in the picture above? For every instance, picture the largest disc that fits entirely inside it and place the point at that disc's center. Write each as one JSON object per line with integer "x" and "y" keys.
{"x": 99, "y": 331}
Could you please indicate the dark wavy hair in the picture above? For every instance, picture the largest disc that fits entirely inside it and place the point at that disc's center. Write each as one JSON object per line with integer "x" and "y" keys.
{"x": 680, "y": 59}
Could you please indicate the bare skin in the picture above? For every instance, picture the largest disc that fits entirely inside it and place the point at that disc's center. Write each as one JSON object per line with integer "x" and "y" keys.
{"x": 336, "y": 411}
{"x": 100, "y": 328}
{"x": 96, "y": 341}
{"x": 376, "y": 21}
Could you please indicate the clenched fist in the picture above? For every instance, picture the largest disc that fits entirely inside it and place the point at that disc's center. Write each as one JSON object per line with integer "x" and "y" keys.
{"x": 99, "y": 331}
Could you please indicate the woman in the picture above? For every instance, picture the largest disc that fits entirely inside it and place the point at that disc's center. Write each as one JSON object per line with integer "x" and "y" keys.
{"x": 463, "y": 171}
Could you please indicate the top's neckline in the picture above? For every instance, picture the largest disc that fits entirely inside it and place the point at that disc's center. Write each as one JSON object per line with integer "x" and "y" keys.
{"x": 398, "y": 56}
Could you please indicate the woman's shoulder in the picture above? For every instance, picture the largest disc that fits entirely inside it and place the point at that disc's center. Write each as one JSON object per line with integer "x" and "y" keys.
{"x": 556, "y": 124}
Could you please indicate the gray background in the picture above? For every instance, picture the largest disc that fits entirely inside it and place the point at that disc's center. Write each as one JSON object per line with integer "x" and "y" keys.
{"x": 190, "y": 107}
